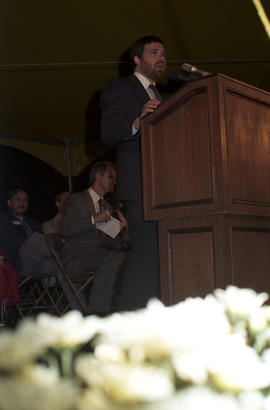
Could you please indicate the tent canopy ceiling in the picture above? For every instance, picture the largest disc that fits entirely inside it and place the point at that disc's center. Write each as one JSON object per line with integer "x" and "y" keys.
{"x": 56, "y": 56}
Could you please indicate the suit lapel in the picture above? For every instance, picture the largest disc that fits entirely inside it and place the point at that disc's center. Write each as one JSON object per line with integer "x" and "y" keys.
{"x": 88, "y": 202}
{"x": 138, "y": 88}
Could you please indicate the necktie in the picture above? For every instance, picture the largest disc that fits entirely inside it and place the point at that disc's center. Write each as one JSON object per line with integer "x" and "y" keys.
{"x": 155, "y": 91}
{"x": 100, "y": 204}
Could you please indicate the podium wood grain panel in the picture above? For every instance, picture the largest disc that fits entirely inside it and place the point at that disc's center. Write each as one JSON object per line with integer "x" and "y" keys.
{"x": 199, "y": 254}
{"x": 248, "y": 140}
{"x": 180, "y": 151}
{"x": 206, "y": 179}
{"x": 206, "y": 150}
{"x": 251, "y": 258}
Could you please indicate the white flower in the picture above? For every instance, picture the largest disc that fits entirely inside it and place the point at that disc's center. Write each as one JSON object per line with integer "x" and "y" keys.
{"x": 260, "y": 328}
{"x": 200, "y": 321}
{"x": 240, "y": 302}
{"x": 22, "y": 345}
{"x": 190, "y": 366}
{"x": 257, "y": 321}
{"x": 236, "y": 367}
{"x": 266, "y": 403}
{"x": 157, "y": 331}
{"x": 194, "y": 355}
{"x": 37, "y": 387}
{"x": 266, "y": 310}
{"x": 96, "y": 399}
{"x": 68, "y": 331}
{"x": 193, "y": 398}
{"x": 127, "y": 383}
{"x": 112, "y": 353}
{"x": 252, "y": 400}
{"x": 139, "y": 333}
{"x": 196, "y": 398}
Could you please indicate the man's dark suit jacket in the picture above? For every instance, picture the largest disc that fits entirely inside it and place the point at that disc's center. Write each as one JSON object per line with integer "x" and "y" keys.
{"x": 12, "y": 236}
{"x": 121, "y": 103}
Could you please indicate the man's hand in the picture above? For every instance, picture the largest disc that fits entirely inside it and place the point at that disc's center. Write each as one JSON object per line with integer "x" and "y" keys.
{"x": 149, "y": 106}
{"x": 123, "y": 221}
{"x": 102, "y": 216}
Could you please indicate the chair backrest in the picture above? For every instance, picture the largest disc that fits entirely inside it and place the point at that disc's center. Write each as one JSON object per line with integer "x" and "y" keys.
{"x": 72, "y": 287}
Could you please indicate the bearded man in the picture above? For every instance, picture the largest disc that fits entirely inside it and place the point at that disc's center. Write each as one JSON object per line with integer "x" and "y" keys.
{"x": 124, "y": 103}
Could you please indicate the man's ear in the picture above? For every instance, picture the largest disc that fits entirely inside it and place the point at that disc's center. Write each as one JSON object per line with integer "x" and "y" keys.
{"x": 97, "y": 177}
{"x": 137, "y": 60}
{"x": 8, "y": 203}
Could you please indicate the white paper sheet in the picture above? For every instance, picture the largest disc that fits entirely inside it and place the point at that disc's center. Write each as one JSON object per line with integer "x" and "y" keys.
{"x": 111, "y": 227}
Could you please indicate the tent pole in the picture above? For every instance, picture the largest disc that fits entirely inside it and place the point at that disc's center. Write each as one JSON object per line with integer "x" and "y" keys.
{"x": 67, "y": 146}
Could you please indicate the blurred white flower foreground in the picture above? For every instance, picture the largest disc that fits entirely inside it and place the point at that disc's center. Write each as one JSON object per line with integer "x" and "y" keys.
{"x": 211, "y": 353}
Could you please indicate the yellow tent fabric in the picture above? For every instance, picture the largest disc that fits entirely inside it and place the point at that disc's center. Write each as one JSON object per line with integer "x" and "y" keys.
{"x": 56, "y": 56}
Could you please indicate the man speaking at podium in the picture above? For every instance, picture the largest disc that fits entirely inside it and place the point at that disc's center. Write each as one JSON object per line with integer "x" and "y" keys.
{"x": 124, "y": 103}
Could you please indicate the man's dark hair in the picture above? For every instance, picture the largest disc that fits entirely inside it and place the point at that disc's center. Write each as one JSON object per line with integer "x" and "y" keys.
{"x": 99, "y": 168}
{"x": 57, "y": 197}
{"x": 15, "y": 191}
{"x": 138, "y": 46}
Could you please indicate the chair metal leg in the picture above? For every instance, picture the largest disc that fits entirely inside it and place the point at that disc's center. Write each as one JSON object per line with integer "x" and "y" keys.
{"x": 37, "y": 296}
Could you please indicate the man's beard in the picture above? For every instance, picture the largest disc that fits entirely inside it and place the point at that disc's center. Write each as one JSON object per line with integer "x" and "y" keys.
{"x": 152, "y": 72}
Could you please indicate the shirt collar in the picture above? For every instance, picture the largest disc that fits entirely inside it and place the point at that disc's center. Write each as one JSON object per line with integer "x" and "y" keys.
{"x": 95, "y": 197}
{"x": 18, "y": 217}
{"x": 143, "y": 80}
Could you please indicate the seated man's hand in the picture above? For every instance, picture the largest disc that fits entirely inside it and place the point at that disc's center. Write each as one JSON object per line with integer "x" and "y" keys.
{"x": 102, "y": 216}
{"x": 123, "y": 221}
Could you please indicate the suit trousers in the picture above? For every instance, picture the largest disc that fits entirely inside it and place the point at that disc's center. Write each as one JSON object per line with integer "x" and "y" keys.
{"x": 82, "y": 259}
{"x": 141, "y": 269}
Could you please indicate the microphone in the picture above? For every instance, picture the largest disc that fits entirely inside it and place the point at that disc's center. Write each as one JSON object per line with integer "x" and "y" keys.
{"x": 181, "y": 76}
{"x": 192, "y": 69}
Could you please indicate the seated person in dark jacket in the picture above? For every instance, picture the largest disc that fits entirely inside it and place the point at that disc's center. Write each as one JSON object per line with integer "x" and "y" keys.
{"x": 21, "y": 239}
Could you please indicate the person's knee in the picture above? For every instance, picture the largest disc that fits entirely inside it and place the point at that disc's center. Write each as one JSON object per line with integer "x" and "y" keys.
{"x": 119, "y": 258}
{"x": 112, "y": 262}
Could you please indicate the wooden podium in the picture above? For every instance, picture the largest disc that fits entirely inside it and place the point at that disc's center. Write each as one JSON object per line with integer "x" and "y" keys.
{"x": 206, "y": 180}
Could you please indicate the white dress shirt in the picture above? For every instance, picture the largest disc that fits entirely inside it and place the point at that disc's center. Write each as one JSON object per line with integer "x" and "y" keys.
{"x": 145, "y": 83}
{"x": 95, "y": 198}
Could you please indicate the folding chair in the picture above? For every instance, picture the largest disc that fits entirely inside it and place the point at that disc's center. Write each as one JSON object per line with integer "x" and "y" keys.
{"x": 38, "y": 295}
{"x": 75, "y": 288}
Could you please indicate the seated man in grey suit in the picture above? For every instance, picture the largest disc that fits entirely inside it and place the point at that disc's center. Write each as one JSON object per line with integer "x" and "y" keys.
{"x": 86, "y": 248}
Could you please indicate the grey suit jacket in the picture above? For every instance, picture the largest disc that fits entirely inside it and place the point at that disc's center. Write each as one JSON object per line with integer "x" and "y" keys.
{"x": 83, "y": 242}
{"x": 121, "y": 103}
{"x": 77, "y": 227}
